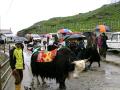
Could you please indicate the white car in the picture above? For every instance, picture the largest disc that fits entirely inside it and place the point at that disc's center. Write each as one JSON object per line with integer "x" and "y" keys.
{"x": 114, "y": 41}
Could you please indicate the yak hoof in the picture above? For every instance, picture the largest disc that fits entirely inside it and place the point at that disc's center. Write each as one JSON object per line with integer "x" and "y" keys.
{"x": 27, "y": 88}
{"x": 85, "y": 70}
{"x": 45, "y": 85}
{"x": 62, "y": 88}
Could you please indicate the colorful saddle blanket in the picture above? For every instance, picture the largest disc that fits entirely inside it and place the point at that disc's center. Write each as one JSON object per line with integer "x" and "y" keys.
{"x": 46, "y": 56}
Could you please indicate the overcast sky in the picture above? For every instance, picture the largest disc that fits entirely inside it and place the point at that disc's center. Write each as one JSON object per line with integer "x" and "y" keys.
{"x": 20, "y": 14}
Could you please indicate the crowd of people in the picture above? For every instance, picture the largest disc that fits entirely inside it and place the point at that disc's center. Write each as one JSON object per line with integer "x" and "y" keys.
{"x": 98, "y": 42}
{"x": 77, "y": 46}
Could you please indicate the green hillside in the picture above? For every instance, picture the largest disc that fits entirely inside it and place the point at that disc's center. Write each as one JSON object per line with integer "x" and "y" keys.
{"x": 107, "y": 14}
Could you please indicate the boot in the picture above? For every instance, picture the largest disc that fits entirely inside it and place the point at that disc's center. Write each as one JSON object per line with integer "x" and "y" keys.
{"x": 18, "y": 87}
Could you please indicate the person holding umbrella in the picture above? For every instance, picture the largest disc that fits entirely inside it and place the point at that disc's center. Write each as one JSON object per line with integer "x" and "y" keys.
{"x": 101, "y": 40}
{"x": 102, "y": 45}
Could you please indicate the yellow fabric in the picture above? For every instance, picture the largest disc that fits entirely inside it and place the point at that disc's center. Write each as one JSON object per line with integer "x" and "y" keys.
{"x": 18, "y": 87}
{"x": 19, "y": 58}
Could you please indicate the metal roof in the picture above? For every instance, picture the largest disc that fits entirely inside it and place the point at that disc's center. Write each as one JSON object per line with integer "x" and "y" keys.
{"x": 5, "y": 31}
{"x": 9, "y": 35}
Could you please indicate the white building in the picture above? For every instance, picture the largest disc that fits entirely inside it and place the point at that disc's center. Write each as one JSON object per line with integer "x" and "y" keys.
{"x": 7, "y": 35}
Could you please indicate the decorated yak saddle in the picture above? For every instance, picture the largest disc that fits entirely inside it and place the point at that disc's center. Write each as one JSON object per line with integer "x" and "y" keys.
{"x": 46, "y": 56}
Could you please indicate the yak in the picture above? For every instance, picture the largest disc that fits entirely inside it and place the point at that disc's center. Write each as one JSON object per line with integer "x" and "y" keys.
{"x": 59, "y": 68}
{"x": 91, "y": 55}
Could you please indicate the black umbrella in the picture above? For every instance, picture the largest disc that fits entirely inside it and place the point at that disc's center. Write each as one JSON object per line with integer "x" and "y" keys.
{"x": 66, "y": 36}
{"x": 76, "y": 36}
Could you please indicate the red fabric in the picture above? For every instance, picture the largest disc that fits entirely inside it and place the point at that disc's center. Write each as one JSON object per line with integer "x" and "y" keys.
{"x": 48, "y": 56}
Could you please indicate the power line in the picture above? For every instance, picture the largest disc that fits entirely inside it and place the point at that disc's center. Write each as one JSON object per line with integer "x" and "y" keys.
{"x": 7, "y": 11}
{"x": 9, "y": 7}
{"x": 0, "y": 23}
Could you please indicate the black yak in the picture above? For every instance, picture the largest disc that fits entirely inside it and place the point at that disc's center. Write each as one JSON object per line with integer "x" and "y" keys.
{"x": 92, "y": 55}
{"x": 57, "y": 69}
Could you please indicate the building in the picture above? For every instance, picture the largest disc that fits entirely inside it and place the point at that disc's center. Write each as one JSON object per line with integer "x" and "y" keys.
{"x": 7, "y": 35}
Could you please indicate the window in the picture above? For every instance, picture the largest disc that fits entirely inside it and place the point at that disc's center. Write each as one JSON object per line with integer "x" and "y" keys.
{"x": 119, "y": 37}
{"x": 115, "y": 37}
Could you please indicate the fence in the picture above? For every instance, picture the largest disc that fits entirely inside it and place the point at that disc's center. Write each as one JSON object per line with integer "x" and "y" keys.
{"x": 4, "y": 47}
{"x": 113, "y": 24}
{"x": 5, "y": 70}
{"x": 5, "y": 73}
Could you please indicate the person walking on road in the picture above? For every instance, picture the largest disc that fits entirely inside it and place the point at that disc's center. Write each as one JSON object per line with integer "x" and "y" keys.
{"x": 104, "y": 45}
{"x": 99, "y": 43}
{"x": 17, "y": 64}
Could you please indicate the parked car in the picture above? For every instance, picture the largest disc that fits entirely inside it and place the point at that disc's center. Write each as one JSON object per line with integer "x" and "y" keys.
{"x": 114, "y": 41}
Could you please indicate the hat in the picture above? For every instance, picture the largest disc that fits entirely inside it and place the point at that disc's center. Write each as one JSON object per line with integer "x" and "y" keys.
{"x": 22, "y": 46}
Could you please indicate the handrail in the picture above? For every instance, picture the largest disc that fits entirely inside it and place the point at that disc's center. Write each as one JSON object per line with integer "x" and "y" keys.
{"x": 1, "y": 76}
{"x": 3, "y": 64}
{"x": 5, "y": 72}
{"x": 2, "y": 85}
{"x": 6, "y": 81}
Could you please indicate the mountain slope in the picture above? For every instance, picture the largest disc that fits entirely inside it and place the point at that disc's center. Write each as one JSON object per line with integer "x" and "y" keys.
{"x": 107, "y": 14}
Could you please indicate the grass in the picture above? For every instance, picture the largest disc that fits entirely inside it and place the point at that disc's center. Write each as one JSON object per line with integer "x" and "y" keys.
{"x": 82, "y": 22}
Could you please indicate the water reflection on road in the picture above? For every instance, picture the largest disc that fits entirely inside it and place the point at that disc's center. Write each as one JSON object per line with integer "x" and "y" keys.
{"x": 27, "y": 78}
{"x": 107, "y": 77}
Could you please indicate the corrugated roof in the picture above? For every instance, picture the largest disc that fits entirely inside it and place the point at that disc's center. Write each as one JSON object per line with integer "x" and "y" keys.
{"x": 9, "y": 35}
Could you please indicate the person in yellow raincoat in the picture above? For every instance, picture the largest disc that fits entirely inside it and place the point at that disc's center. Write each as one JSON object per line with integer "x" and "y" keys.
{"x": 17, "y": 64}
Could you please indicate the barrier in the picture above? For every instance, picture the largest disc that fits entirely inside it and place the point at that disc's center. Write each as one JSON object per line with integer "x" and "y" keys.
{"x": 5, "y": 71}
{"x": 5, "y": 74}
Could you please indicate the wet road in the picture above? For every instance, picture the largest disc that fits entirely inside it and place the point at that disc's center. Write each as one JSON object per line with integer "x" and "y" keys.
{"x": 107, "y": 77}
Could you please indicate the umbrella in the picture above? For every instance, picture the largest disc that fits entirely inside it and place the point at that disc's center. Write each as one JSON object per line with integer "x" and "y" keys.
{"x": 48, "y": 35}
{"x": 66, "y": 36}
{"x": 76, "y": 36}
{"x": 64, "y": 31}
{"x": 102, "y": 28}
